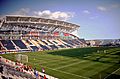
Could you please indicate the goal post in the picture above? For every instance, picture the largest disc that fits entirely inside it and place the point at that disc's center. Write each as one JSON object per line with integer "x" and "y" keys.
{"x": 21, "y": 58}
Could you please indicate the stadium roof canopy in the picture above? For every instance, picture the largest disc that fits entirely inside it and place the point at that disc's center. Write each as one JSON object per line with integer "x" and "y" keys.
{"x": 30, "y": 23}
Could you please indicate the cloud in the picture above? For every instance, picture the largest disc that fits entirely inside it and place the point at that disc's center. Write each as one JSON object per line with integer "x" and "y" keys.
{"x": 102, "y": 8}
{"x": 86, "y": 12}
{"x": 22, "y": 11}
{"x": 93, "y": 17}
{"x": 58, "y": 15}
{"x": 108, "y": 7}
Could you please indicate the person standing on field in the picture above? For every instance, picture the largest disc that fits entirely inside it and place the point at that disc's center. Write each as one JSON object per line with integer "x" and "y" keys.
{"x": 43, "y": 70}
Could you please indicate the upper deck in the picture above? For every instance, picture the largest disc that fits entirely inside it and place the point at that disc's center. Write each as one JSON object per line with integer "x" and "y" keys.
{"x": 28, "y": 23}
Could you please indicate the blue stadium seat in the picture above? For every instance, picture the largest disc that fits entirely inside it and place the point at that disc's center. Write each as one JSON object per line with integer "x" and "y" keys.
{"x": 44, "y": 42}
{"x": 49, "y": 42}
{"x": 20, "y": 44}
{"x": 8, "y": 44}
{"x": 44, "y": 47}
{"x": 35, "y": 48}
{"x": 28, "y": 42}
{"x": 69, "y": 42}
{"x": 68, "y": 45}
{"x": 53, "y": 47}
{"x": 61, "y": 46}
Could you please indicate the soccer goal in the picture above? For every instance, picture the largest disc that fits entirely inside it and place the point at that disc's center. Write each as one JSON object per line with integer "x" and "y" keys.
{"x": 21, "y": 58}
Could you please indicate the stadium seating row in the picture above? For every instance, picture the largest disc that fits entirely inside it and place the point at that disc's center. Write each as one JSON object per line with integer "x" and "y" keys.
{"x": 38, "y": 45}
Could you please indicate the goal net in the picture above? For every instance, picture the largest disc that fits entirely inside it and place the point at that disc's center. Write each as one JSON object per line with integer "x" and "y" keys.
{"x": 21, "y": 58}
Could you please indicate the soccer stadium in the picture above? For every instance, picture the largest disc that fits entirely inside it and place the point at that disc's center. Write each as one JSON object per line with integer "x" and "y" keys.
{"x": 39, "y": 48}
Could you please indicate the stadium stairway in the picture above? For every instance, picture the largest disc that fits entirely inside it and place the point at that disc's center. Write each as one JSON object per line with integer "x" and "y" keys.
{"x": 47, "y": 42}
{"x": 75, "y": 42}
{"x": 2, "y": 47}
{"x": 34, "y": 43}
{"x": 21, "y": 45}
{"x": 69, "y": 42}
{"x": 53, "y": 47}
{"x": 44, "y": 42}
{"x": 28, "y": 41}
{"x": 63, "y": 43}
{"x": 58, "y": 44}
{"x": 50, "y": 42}
{"x": 25, "y": 42}
{"x": 34, "y": 48}
{"x": 53, "y": 42}
{"x": 42, "y": 45}
{"x": 40, "y": 42}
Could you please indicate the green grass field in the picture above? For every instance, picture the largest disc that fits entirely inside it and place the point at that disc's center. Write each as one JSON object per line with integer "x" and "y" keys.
{"x": 79, "y": 63}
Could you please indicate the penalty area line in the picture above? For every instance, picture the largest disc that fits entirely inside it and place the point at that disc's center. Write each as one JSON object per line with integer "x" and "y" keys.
{"x": 112, "y": 73}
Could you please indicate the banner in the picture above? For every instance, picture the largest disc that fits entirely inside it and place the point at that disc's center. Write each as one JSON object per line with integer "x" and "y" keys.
{"x": 66, "y": 34}
{"x": 56, "y": 33}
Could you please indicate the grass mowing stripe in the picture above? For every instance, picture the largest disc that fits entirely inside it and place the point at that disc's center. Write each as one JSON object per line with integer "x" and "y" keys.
{"x": 68, "y": 73}
{"x": 52, "y": 57}
{"x": 80, "y": 66}
{"x": 70, "y": 64}
{"x": 94, "y": 69}
{"x": 84, "y": 68}
{"x": 58, "y": 60}
{"x": 61, "y": 62}
{"x": 49, "y": 59}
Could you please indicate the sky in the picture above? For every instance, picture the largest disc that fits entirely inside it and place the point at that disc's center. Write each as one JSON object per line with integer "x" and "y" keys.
{"x": 98, "y": 19}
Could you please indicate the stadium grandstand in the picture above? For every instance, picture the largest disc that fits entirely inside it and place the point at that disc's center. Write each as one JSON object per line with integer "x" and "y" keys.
{"x": 26, "y": 33}
{"x": 104, "y": 43}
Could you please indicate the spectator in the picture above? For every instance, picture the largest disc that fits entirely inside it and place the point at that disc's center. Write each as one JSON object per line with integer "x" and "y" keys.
{"x": 34, "y": 71}
{"x": 0, "y": 59}
{"x": 43, "y": 70}
{"x": 36, "y": 74}
{"x": 45, "y": 77}
{"x": 40, "y": 77}
{"x": 1, "y": 69}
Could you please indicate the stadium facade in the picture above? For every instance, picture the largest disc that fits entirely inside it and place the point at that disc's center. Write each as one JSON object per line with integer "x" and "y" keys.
{"x": 28, "y": 33}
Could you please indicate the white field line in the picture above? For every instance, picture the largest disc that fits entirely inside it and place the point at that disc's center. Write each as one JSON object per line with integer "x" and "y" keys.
{"x": 112, "y": 73}
{"x": 68, "y": 73}
{"x": 70, "y": 64}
